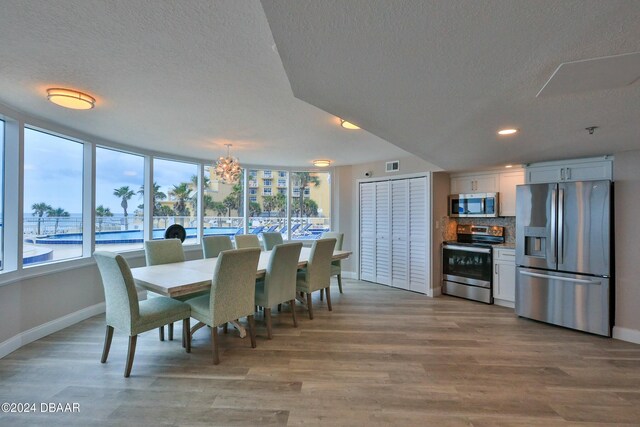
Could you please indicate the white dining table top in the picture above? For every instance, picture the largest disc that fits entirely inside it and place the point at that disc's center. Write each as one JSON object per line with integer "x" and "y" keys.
{"x": 183, "y": 278}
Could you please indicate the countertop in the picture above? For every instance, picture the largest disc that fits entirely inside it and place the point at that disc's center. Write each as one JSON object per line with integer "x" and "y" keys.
{"x": 504, "y": 246}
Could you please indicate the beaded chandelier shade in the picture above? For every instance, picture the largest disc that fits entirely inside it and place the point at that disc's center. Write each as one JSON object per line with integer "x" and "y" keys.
{"x": 227, "y": 169}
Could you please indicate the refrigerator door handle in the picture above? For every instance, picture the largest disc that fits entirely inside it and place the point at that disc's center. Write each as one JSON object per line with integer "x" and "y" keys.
{"x": 560, "y": 226}
{"x": 554, "y": 205}
{"x": 559, "y": 278}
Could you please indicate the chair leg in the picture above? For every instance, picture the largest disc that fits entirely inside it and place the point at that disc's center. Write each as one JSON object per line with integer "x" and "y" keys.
{"x": 161, "y": 333}
{"x": 340, "y": 282}
{"x": 214, "y": 345}
{"x": 186, "y": 336}
{"x": 309, "y": 305}
{"x": 292, "y": 303}
{"x": 130, "y": 354}
{"x": 225, "y": 327}
{"x": 170, "y": 330}
{"x": 107, "y": 344}
{"x": 267, "y": 319}
{"x": 329, "y": 297}
{"x": 321, "y": 294}
{"x": 252, "y": 330}
{"x": 279, "y": 308}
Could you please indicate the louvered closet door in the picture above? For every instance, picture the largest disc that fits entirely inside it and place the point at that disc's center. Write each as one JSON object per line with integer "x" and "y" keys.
{"x": 368, "y": 231}
{"x": 383, "y": 255}
{"x": 419, "y": 242}
{"x": 400, "y": 233}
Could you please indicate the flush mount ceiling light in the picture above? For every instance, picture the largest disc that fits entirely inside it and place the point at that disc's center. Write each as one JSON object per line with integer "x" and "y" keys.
{"x": 508, "y": 166}
{"x": 348, "y": 125}
{"x": 507, "y": 131}
{"x": 322, "y": 163}
{"x": 69, "y": 98}
{"x": 227, "y": 169}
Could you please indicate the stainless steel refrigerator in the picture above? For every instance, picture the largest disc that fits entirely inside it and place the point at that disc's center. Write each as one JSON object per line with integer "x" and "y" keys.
{"x": 564, "y": 272}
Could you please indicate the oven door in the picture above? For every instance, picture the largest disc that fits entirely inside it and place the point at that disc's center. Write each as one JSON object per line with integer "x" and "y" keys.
{"x": 470, "y": 265}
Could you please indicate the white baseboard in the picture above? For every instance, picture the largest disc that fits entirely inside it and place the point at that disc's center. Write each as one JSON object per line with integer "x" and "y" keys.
{"x": 504, "y": 303}
{"x": 626, "y": 334}
{"x": 41, "y": 331}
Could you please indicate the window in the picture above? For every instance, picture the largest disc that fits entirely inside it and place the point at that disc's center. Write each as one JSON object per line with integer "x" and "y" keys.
{"x": 119, "y": 200}
{"x": 253, "y": 192}
{"x": 53, "y": 176}
{"x": 310, "y": 213}
{"x": 268, "y": 212}
{"x": 223, "y": 211}
{"x": 266, "y": 174}
{"x": 174, "y": 200}
{"x": 282, "y": 191}
{"x": 282, "y": 174}
{"x": 253, "y": 199}
{"x": 282, "y": 183}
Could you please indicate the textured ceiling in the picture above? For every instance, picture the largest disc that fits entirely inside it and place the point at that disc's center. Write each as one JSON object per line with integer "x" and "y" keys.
{"x": 180, "y": 77}
{"x": 439, "y": 78}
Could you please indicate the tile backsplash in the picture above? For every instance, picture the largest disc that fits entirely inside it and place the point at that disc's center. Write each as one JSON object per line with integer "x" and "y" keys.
{"x": 508, "y": 222}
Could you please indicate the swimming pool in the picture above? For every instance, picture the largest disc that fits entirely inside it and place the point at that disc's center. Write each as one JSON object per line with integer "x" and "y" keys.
{"x": 130, "y": 236}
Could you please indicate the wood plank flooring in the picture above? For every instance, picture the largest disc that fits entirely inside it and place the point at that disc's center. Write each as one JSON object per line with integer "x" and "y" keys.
{"x": 382, "y": 357}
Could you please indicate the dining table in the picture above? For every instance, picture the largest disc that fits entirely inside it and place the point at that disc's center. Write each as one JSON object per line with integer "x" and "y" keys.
{"x": 190, "y": 277}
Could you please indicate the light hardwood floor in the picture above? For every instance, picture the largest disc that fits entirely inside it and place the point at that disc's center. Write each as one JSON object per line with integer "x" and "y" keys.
{"x": 382, "y": 357}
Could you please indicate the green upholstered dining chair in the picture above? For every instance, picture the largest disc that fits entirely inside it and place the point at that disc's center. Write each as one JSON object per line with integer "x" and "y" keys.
{"x": 336, "y": 267}
{"x": 134, "y": 317}
{"x": 213, "y": 245}
{"x": 166, "y": 251}
{"x": 279, "y": 283}
{"x": 269, "y": 240}
{"x": 232, "y": 294}
{"x": 244, "y": 241}
{"x": 317, "y": 274}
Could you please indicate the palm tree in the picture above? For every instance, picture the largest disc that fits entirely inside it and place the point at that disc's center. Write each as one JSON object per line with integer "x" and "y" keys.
{"x": 125, "y": 194}
{"x": 182, "y": 194}
{"x": 157, "y": 196}
{"x": 280, "y": 203}
{"x": 230, "y": 202}
{"x": 166, "y": 212}
{"x": 267, "y": 203}
{"x": 254, "y": 209}
{"x": 102, "y": 212}
{"x": 39, "y": 209}
{"x": 57, "y": 214}
{"x": 310, "y": 208}
{"x": 305, "y": 179}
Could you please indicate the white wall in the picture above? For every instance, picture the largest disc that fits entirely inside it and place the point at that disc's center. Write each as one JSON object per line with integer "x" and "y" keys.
{"x": 626, "y": 171}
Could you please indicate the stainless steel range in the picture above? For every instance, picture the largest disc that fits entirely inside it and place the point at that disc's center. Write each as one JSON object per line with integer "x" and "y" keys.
{"x": 468, "y": 262}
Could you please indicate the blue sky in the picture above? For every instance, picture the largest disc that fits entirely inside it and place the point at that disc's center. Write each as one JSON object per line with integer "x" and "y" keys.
{"x": 53, "y": 174}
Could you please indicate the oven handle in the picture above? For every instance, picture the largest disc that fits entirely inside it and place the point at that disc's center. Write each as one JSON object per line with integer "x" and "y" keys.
{"x": 468, "y": 249}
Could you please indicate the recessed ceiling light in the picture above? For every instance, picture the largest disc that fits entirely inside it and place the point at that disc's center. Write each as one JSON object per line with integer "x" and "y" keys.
{"x": 509, "y": 166}
{"x": 69, "y": 98}
{"x": 348, "y": 125}
{"x": 321, "y": 163}
{"x": 507, "y": 131}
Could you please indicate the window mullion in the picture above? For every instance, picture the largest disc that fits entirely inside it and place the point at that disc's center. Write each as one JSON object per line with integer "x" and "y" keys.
{"x": 88, "y": 200}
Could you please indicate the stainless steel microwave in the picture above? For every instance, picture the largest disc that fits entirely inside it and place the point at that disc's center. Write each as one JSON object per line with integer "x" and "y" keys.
{"x": 473, "y": 205}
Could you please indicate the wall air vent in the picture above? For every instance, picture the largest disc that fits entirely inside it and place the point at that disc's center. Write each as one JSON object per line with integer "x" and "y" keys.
{"x": 393, "y": 166}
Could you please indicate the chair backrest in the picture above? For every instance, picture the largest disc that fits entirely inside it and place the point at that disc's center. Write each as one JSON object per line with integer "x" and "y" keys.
{"x": 334, "y": 235}
{"x": 244, "y": 241}
{"x": 120, "y": 294}
{"x": 318, "y": 272}
{"x": 271, "y": 239}
{"x": 213, "y": 245}
{"x": 280, "y": 279}
{"x": 233, "y": 286}
{"x": 163, "y": 251}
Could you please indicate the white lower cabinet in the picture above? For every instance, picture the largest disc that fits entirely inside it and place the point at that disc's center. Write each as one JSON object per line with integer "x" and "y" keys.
{"x": 504, "y": 277}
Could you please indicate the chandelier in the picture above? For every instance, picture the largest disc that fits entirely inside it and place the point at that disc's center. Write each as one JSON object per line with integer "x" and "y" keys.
{"x": 227, "y": 169}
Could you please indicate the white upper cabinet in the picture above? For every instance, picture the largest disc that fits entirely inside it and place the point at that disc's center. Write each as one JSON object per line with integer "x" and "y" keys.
{"x": 570, "y": 170}
{"x": 507, "y": 196}
{"x": 503, "y": 183}
{"x": 477, "y": 183}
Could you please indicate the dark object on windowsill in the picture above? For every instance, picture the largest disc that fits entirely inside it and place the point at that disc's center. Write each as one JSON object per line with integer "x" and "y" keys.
{"x": 175, "y": 231}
